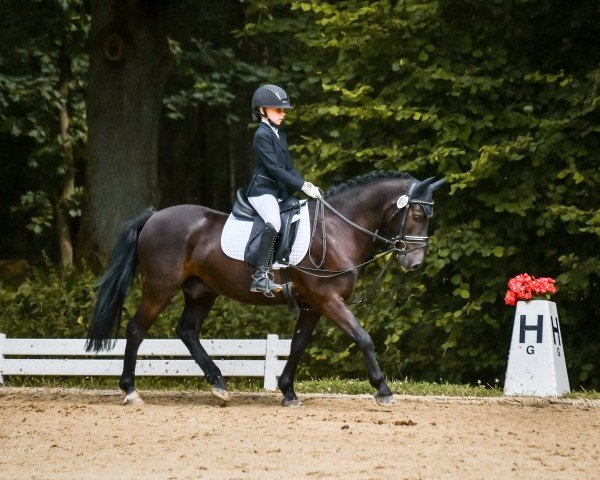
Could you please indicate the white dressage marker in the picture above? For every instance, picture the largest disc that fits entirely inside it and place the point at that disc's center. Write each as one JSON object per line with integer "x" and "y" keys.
{"x": 536, "y": 362}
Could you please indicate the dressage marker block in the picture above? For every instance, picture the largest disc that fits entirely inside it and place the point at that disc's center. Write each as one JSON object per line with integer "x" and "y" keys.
{"x": 536, "y": 362}
{"x": 266, "y": 364}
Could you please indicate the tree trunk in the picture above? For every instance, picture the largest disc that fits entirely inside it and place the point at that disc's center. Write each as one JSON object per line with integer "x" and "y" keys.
{"x": 130, "y": 62}
{"x": 61, "y": 209}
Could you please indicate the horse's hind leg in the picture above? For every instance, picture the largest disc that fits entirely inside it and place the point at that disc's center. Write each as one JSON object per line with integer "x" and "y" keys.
{"x": 198, "y": 302}
{"x": 137, "y": 327}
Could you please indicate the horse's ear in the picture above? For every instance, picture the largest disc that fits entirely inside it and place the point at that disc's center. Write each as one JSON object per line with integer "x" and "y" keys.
{"x": 421, "y": 187}
{"x": 436, "y": 185}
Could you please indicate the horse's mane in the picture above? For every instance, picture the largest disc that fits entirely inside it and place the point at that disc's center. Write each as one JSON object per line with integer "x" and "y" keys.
{"x": 365, "y": 178}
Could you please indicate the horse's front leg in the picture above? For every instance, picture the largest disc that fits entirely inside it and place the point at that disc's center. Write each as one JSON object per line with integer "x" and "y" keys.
{"x": 304, "y": 327}
{"x": 340, "y": 314}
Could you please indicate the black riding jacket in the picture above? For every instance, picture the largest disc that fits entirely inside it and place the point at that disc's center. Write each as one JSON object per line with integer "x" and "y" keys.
{"x": 273, "y": 172}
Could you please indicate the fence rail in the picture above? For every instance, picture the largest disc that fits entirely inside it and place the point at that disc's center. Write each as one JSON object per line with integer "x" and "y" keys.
{"x": 16, "y": 353}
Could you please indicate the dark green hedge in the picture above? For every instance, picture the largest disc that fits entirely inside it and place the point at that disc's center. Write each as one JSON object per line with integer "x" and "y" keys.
{"x": 411, "y": 340}
{"x": 499, "y": 97}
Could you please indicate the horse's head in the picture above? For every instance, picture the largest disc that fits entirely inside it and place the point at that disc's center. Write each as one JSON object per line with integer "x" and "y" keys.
{"x": 409, "y": 219}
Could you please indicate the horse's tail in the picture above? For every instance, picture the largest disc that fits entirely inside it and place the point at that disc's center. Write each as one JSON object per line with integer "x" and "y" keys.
{"x": 114, "y": 286}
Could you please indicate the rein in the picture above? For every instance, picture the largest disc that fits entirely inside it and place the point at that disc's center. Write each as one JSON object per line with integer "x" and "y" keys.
{"x": 375, "y": 235}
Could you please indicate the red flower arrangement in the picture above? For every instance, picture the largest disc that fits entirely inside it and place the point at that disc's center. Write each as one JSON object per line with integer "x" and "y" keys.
{"x": 526, "y": 287}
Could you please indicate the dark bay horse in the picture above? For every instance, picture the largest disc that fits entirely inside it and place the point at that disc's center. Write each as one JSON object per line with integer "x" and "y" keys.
{"x": 179, "y": 248}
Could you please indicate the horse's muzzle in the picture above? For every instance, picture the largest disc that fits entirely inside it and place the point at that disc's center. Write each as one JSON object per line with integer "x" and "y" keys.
{"x": 411, "y": 260}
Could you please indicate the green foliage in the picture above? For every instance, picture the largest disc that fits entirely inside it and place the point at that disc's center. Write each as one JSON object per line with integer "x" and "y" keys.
{"x": 210, "y": 77}
{"x": 40, "y": 210}
{"x": 213, "y": 69}
{"x": 31, "y": 99}
{"x": 54, "y": 303}
{"x": 48, "y": 304}
{"x": 501, "y": 100}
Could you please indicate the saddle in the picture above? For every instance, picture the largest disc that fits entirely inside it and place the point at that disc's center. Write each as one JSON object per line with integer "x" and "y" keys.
{"x": 289, "y": 209}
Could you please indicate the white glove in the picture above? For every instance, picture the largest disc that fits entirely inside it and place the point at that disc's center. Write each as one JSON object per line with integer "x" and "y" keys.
{"x": 311, "y": 190}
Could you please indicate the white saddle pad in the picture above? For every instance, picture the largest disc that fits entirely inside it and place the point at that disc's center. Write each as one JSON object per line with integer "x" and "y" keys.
{"x": 236, "y": 234}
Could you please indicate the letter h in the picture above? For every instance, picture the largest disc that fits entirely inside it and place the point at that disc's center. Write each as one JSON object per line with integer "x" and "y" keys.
{"x": 538, "y": 328}
{"x": 555, "y": 330}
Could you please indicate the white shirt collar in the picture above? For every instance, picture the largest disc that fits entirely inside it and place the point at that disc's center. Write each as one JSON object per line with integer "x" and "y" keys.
{"x": 275, "y": 129}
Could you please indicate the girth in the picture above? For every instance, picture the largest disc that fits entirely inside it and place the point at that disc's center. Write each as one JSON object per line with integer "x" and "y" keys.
{"x": 288, "y": 208}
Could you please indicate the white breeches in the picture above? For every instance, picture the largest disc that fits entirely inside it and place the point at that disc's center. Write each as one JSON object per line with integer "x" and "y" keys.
{"x": 268, "y": 208}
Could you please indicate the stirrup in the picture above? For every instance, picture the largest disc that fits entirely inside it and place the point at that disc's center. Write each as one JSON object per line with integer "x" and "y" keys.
{"x": 271, "y": 286}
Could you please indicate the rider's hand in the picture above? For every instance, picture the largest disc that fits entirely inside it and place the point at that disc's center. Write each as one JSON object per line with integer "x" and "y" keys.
{"x": 311, "y": 190}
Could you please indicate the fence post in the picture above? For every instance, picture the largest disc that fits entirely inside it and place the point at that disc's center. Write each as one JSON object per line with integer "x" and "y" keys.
{"x": 2, "y": 339}
{"x": 270, "y": 381}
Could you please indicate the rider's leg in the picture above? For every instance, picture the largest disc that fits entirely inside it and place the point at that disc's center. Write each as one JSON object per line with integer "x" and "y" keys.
{"x": 268, "y": 208}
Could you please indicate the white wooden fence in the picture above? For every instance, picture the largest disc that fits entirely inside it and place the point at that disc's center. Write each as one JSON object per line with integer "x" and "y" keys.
{"x": 266, "y": 362}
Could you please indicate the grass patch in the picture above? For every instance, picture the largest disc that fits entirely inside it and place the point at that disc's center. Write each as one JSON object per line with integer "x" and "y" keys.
{"x": 331, "y": 385}
{"x": 142, "y": 383}
{"x": 401, "y": 387}
{"x": 583, "y": 393}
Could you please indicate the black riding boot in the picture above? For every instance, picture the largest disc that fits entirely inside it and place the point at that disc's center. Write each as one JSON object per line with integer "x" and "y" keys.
{"x": 262, "y": 278}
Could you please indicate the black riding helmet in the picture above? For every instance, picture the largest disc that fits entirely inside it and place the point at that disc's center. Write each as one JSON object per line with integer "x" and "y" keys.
{"x": 269, "y": 96}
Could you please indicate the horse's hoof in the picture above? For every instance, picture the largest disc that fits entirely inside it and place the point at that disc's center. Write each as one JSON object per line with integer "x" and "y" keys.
{"x": 220, "y": 393}
{"x": 295, "y": 403}
{"x": 133, "y": 398}
{"x": 384, "y": 400}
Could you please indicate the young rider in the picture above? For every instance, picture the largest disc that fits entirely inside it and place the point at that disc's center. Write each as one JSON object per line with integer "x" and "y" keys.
{"x": 274, "y": 174}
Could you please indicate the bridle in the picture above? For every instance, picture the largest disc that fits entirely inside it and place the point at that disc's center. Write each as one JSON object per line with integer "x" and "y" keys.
{"x": 403, "y": 204}
{"x": 398, "y": 243}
